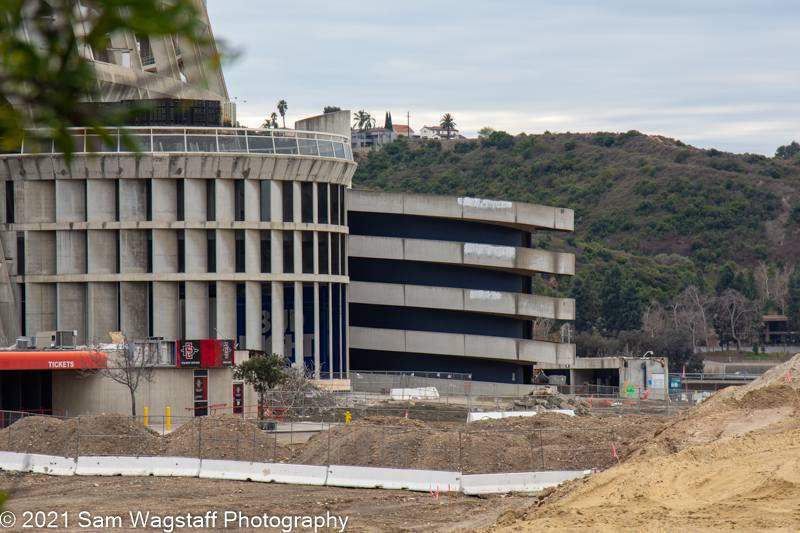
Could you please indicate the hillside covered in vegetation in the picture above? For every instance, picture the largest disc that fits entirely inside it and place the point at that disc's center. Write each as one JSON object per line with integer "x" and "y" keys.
{"x": 643, "y": 199}
{"x": 667, "y": 214}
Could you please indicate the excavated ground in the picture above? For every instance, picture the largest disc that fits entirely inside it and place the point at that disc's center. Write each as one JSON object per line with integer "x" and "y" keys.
{"x": 731, "y": 463}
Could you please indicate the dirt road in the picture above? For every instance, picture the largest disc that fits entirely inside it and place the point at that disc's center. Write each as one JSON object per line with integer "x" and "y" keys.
{"x": 368, "y": 510}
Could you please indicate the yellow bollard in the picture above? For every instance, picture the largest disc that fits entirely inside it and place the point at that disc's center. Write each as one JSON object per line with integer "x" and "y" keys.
{"x": 168, "y": 419}
{"x": 145, "y": 416}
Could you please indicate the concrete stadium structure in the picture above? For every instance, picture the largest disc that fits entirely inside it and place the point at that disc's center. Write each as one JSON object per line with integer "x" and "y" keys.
{"x": 442, "y": 283}
{"x": 206, "y": 233}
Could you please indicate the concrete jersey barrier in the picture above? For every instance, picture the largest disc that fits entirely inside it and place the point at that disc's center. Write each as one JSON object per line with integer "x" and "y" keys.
{"x": 332, "y": 476}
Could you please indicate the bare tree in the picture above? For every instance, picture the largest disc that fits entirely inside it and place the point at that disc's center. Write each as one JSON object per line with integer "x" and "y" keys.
{"x": 542, "y": 327}
{"x": 653, "y": 321}
{"x": 780, "y": 286}
{"x": 694, "y": 314}
{"x": 126, "y": 365}
{"x": 763, "y": 281}
{"x": 738, "y": 316}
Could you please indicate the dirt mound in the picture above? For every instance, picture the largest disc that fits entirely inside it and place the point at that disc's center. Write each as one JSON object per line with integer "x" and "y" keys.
{"x": 769, "y": 404}
{"x": 548, "y": 441}
{"x": 749, "y": 483}
{"x": 111, "y": 434}
{"x": 225, "y": 436}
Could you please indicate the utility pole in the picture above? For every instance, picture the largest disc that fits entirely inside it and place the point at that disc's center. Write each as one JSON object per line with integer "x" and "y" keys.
{"x": 408, "y": 123}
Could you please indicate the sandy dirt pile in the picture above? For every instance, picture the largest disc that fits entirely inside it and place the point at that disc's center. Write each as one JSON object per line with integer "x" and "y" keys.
{"x": 111, "y": 434}
{"x": 731, "y": 463}
{"x": 224, "y": 436}
{"x": 548, "y": 441}
{"x": 767, "y": 405}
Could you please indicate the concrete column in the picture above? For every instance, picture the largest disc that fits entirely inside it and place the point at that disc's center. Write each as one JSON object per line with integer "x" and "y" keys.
{"x": 40, "y": 253}
{"x": 132, "y": 200}
{"x": 297, "y": 204}
{"x": 252, "y": 200}
{"x": 72, "y": 309}
{"x": 196, "y": 249}
{"x": 315, "y": 203}
{"x": 165, "y": 200}
{"x": 330, "y": 329}
{"x": 226, "y": 251}
{"x": 276, "y": 201}
{"x": 70, "y": 200}
{"x": 252, "y": 305}
{"x": 315, "y": 251}
{"x": 101, "y": 198}
{"x": 37, "y": 203}
{"x": 252, "y": 251}
{"x": 40, "y": 307}
{"x": 71, "y": 252}
{"x": 197, "y": 310}
{"x": 194, "y": 200}
{"x": 165, "y": 251}
{"x": 226, "y": 310}
{"x": 277, "y": 314}
{"x": 297, "y": 237}
{"x": 133, "y": 251}
{"x": 346, "y": 348}
{"x": 101, "y": 252}
{"x": 102, "y": 312}
{"x": 166, "y": 310}
{"x": 225, "y": 200}
{"x": 317, "y": 332}
{"x": 276, "y": 245}
{"x": 298, "y": 322}
{"x": 133, "y": 309}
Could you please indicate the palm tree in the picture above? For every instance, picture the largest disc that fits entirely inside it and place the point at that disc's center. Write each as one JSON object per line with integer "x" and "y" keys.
{"x": 363, "y": 120}
{"x": 274, "y": 120}
{"x": 448, "y": 123}
{"x": 282, "y": 107}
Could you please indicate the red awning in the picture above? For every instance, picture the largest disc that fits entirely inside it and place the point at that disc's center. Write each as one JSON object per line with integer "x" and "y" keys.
{"x": 51, "y": 360}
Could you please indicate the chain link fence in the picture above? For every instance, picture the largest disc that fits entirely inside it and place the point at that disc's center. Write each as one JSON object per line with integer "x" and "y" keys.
{"x": 409, "y": 445}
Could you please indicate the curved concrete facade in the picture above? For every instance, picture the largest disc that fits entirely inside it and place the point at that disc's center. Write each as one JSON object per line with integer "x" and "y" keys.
{"x": 181, "y": 245}
{"x": 443, "y": 284}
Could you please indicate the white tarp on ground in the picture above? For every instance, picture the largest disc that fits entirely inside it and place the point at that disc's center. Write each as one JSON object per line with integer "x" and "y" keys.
{"x": 420, "y": 393}
{"x": 489, "y": 415}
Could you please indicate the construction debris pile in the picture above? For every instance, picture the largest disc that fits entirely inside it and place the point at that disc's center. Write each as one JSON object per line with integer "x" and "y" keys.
{"x": 547, "y": 398}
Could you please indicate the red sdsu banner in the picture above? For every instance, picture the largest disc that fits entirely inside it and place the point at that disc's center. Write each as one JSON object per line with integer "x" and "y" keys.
{"x": 207, "y": 353}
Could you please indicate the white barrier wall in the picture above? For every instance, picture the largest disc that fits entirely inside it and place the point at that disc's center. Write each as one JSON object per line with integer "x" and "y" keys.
{"x": 332, "y": 476}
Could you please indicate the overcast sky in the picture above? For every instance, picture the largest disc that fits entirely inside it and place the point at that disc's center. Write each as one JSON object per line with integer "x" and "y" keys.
{"x": 721, "y": 74}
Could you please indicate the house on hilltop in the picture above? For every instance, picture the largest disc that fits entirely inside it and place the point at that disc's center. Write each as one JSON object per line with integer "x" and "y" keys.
{"x": 437, "y": 132}
{"x": 375, "y": 137}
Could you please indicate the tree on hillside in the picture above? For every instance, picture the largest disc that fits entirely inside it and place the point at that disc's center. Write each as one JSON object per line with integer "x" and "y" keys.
{"x": 725, "y": 278}
{"x": 793, "y": 300}
{"x": 263, "y": 373}
{"x": 630, "y": 313}
{"x": 697, "y": 307}
{"x": 282, "y": 108}
{"x": 448, "y": 123}
{"x": 273, "y": 119}
{"x": 363, "y": 120}
{"x": 331, "y": 109}
{"x": 127, "y": 365}
{"x": 584, "y": 292}
{"x": 388, "y": 122}
{"x": 788, "y": 151}
{"x": 44, "y": 78}
{"x": 485, "y": 131}
{"x": 610, "y": 301}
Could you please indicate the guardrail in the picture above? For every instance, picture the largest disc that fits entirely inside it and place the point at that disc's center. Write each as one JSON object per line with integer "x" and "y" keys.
{"x": 157, "y": 139}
